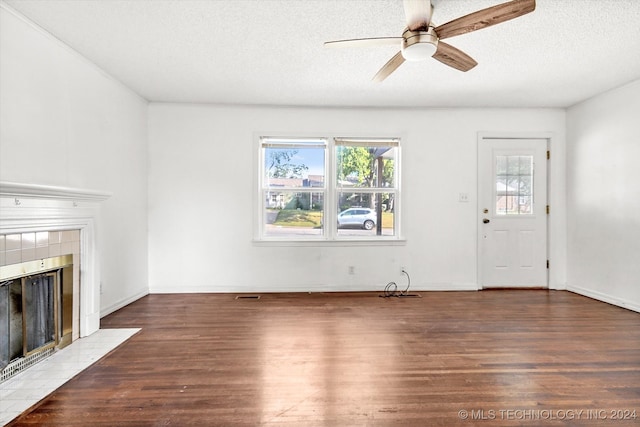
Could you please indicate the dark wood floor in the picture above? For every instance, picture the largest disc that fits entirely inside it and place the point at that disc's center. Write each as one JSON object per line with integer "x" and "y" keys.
{"x": 510, "y": 357}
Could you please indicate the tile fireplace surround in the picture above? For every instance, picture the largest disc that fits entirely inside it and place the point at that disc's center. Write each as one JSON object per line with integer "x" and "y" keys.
{"x": 35, "y": 219}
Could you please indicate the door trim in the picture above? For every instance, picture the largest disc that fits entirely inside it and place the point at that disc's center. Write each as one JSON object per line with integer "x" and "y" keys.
{"x": 515, "y": 135}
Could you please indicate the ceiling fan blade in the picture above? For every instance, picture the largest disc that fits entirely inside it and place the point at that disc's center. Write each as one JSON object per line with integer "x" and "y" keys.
{"x": 485, "y": 18}
{"x": 418, "y": 13}
{"x": 454, "y": 57}
{"x": 389, "y": 67}
{"x": 367, "y": 42}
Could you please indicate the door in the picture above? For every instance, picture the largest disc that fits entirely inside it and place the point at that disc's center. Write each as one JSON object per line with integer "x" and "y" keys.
{"x": 512, "y": 217}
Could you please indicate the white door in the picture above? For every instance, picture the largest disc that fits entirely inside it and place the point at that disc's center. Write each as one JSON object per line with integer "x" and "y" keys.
{"x": 512, "y": 217}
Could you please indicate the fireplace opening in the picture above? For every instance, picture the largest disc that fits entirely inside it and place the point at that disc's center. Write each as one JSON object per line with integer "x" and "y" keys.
{"x": 36, "y": 304}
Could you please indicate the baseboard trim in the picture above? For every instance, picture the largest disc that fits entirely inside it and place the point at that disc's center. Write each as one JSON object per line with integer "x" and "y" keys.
{"x": 604, "y": 298}
{"x": 557, "y": 286}
{"x": 424, "y": 287}
{"x": 122, "y": 303}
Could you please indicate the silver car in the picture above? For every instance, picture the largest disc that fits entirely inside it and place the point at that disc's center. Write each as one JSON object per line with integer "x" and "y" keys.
{"x": 357, "y": 217}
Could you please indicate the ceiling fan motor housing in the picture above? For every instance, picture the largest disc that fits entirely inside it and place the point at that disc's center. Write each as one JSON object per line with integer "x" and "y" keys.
{"x": 419, "y": 45}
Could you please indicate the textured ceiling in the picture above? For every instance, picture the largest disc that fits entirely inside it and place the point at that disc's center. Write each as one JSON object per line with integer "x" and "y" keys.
{"x": 271, "y": 51}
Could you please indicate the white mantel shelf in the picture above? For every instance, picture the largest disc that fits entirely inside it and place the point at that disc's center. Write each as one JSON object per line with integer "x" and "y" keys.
{"x": 20, "y": 190}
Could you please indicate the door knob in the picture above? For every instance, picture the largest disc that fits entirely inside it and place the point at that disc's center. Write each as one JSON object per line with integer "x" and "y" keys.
{"x": 486, "y": 221}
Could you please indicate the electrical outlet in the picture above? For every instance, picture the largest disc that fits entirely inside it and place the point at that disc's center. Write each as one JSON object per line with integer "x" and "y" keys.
{"x": 463, "y": 197}
{"x": 403, "y": 269}
{"x": 352, "y": 269}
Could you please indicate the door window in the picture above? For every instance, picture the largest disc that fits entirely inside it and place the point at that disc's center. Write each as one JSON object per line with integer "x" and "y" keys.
{"x": 514, "y": 184}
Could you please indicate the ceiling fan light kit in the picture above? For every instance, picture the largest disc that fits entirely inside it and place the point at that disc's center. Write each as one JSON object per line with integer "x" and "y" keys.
{"x": 419, "y": 45}
{"x": 421, "y": 39}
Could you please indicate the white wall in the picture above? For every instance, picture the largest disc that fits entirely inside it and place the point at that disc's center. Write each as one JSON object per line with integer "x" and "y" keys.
{"x": 603, "y": 197}
{"x": 57, "y": 109}
{"x": 64, "y": 122}
{"x": 202, "y": 189}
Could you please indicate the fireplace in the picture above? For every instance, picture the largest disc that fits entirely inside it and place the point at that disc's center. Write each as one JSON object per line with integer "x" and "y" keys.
{"x": 48, "y": 244}
{"x": 36, "y": 311}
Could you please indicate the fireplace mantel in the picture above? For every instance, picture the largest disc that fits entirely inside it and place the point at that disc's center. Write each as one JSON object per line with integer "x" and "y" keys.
{"x": 20, "y": 190}
{"x": 27, "y": 208}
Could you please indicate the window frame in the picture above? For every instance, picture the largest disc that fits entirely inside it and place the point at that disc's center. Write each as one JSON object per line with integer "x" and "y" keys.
{"x": 330, "y": 190}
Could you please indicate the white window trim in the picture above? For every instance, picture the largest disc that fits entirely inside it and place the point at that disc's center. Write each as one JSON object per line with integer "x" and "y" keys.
{"x": 330, "y": 190}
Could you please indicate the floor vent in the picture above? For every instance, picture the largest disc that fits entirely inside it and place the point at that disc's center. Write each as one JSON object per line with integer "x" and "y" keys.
{"x": 23, "y": 363}
{"x": 248, "y": 297}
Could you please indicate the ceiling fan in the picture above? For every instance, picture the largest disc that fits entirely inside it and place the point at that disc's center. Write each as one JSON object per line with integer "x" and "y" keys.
{"x": 422, "y": 39}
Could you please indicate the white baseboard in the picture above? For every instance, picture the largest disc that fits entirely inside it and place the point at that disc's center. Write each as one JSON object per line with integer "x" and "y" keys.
{"x": 557, "y": 286}
{"x": 439, "y": 287}
{"x": 604, "y": 298}
{"x": 118, "y": 305}
{"x": 425, "y": 287}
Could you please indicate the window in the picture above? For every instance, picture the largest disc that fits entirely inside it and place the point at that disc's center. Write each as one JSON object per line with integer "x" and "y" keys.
{"x": 366, "y": 191}
{"x": 293, "y": 187}
{"x": 328, "y": 189}
{"x": 514, "y": 179}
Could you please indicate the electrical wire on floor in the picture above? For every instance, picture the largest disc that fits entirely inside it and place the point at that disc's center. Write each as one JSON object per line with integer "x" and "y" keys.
{"x": 391, "y": 290}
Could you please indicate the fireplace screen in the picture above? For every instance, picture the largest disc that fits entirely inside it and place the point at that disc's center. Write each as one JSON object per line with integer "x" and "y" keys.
{"x": 39, "y": 311}
{"x": 4, "y": 325}
{"x": 35, "y": 308}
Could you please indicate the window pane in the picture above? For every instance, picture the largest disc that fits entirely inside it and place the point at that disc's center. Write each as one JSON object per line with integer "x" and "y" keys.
{"x": 514, "y": 185}
{"x": 294, "y": 166}
{"x": 524, "y": 186}
{"x": 289, "y": 213}
{"x": 366, "y": 214}
{"x": 526, "y": 165}
{"x": 363, "y": 166}
{"x": 524, "y": 204}
{"x": 501, "y": 165}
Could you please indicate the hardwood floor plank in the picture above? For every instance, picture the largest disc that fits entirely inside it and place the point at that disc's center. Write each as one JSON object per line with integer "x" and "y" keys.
{"x": 511, "y": 357}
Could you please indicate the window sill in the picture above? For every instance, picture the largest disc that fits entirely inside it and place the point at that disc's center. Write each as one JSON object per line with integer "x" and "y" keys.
{"x": 325, "y": 243}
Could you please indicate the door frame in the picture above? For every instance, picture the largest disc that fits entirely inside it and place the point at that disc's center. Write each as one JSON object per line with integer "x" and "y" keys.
{"x": 512, "y": 135}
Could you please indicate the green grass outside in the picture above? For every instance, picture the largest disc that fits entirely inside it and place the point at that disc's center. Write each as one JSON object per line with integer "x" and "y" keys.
{"x": 299, "y": 218}
{"x": 313, "y": 219}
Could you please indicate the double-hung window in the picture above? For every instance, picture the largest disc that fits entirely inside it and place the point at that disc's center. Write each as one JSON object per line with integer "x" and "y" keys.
{"x": 328, "y": 189}
{"x": 292, "y": 186}
{"x": 366, "y": 190}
